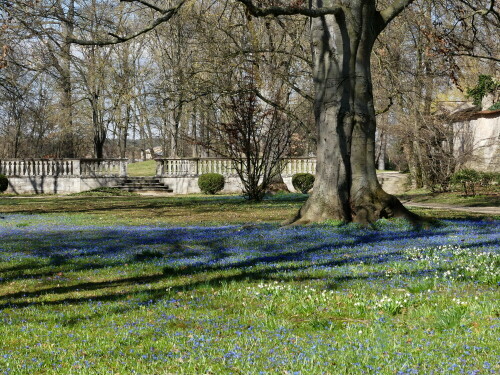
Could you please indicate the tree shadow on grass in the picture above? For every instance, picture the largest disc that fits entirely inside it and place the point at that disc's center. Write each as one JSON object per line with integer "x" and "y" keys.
{"x": 198, "y": 256}
{"x": 9, "y": 274}
{"x": 150, "y": 295}
{"x": 99, "y": 204}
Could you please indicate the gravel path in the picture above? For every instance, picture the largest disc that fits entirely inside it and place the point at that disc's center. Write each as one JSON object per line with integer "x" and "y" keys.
{"x": 493, "y": 210}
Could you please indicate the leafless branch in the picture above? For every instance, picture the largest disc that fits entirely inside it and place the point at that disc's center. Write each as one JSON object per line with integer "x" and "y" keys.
{"x": 279, "y": 107}
{"x": 147, "y": 4}
{"x": 491, "y": 58}
{"x": 275, "y": 11}
{"x": 116, "y": 39}
{"x": 393, "y": 10}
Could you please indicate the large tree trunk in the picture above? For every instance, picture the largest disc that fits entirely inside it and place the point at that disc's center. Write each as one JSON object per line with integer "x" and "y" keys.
{"x": 346, "y": 186}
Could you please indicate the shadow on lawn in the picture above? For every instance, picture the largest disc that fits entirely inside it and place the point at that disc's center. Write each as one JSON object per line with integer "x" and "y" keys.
{"x": 153, "y": 295}
{"x": 265, "y": 258}
{"x": 150, "y": 204}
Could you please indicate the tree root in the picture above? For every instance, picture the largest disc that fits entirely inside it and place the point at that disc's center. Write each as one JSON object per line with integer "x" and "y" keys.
{"x": 365, "y": 213}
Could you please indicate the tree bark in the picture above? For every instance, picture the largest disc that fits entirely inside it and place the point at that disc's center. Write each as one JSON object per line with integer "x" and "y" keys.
{"x": 346, "y": 186}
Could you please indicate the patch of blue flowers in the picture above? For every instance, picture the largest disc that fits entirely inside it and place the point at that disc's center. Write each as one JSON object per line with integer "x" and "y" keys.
{"x": 238, "y": 246}
{"x": 181, "y": 327}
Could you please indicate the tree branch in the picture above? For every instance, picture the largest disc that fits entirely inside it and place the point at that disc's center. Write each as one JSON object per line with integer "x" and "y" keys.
{"x": 275, "y": 11}
{"x": 149, "y": 5}
{"x": 167, "y": 15}
{"x": 280, "y": 108}
{"x": 483, "y": 11}
{"x": 473, "y": 55}
{"x": 393, "y": 10}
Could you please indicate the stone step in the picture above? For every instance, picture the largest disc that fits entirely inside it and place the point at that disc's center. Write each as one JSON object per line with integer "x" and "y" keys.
{"x": 144, "y": 185}
{"x": 138, "y": 184}
{"x": 145, "y": 188}
{"x": 142, "y": 180}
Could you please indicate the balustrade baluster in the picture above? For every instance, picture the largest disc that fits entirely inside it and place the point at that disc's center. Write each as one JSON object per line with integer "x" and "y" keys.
{"x": 169, "y": 167}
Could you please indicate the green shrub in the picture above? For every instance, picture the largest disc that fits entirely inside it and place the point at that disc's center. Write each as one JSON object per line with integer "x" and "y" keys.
{"x": 486, "y": 178}
{"x": 485, "y": 85}
{"x": 303, "y": 182}
{"x": 4, "y": 183}
{"x": 468, "y": 178}
{"x": 211, "y": 183}
{"x": 495, "y": 107}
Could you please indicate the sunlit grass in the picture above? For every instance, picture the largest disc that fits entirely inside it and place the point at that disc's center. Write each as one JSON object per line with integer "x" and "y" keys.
{"x": 178, "y": 210}
{"x": 484, "y": 198}
{"x": 142, "y": 168}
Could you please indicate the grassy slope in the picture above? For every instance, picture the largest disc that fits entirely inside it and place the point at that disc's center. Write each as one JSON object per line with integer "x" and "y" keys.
{"x": 142, "y": 168}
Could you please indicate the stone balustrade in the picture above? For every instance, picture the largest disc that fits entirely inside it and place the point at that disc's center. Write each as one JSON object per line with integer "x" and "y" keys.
{"x": 298, "y": 165}
{"x": 74, "y": 175}
{"x": 187, "y": 167}
{"x": 63, "y": 167}
{"x": 103, "y": 167}
{"x": 191, "y": 167}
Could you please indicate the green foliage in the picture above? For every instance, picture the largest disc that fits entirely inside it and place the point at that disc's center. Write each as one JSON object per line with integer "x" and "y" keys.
{"x": 211, "y": 183}
{"x": 468, "y": 178}
{"x": 57, "y": 260}
{"x": 251, "y": 301}
{"x": 485, "y": 85}
{"x": 495, "y": 107}
{"x": 4, "y": 183}
{"x": 489, "y": 178}
{"x": 451, "y": 317}
{"x": 467, "y": 175}
{"x": 303, "y": 182}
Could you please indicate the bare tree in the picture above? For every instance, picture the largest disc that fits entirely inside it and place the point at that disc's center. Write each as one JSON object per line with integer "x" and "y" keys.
{"x": 255, "y": 138}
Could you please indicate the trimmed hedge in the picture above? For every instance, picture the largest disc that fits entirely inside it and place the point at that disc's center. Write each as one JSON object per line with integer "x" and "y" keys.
{"x": 4, "y": 183}
{"x": 303, "y": 182}
{"x": 211, "y": 183}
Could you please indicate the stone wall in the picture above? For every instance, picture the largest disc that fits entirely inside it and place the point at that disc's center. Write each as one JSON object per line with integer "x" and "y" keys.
{"x": 57, "y": 185}
{"x": 477, "y": 141}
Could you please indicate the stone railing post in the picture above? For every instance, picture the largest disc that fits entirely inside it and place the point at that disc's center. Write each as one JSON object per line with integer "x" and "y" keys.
{"x": 76, "y": 167}
{"x": 123, "y": 167}
{"x": 160, "y": 167}
{"x": 194, "y": 167}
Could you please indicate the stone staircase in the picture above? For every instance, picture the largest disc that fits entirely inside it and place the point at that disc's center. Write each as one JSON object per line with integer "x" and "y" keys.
{"x": 144, "y": 185}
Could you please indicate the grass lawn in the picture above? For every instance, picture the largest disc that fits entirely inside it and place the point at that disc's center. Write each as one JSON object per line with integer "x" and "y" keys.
{"x": 122, "y": 285}
{"x": 180, "y": 210}
{"x": 482, "y": 199}
{"x": 142, "y": 168}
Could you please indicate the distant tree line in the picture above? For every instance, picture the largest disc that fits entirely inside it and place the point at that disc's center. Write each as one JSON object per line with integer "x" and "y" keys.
{"x": 220, "y": 78}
